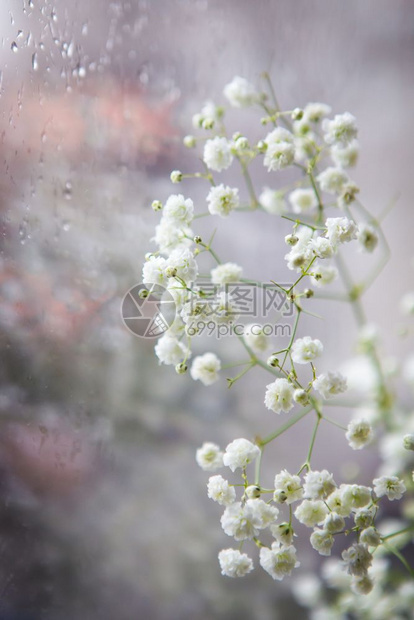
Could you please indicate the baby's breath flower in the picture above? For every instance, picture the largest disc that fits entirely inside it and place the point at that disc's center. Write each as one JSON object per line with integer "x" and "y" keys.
{"x": 340, "y": 230}
{"x": 362, "y": 585}
{"x": 189, "y": 141}
{"x": 288, "y": 488}
{"x": 341, "y": 130}
{"x": 364, "y": 517}
{"x": 222, "y": 199}
{"x": 205, "y": 368}
{"x": 303, "y": 200}
{"x": 226, "y": 273}
{"x": 279, "y": 561}
{"x": 391, "y": 486}
{"x": 323, "y": 274}
{"x": 217, "y": 154}
{"x": 176, "y": 176}
{"x": 305, "y": 350}
{"x": 254, "y": 337}
{"x": 234, "y": 564}
{"x": 252, "y": 491}
{"x": 156, "y": 205}
{"x": 357, "y": 495}
{"x": 279, "y": 396}
{"x": 209, "y": 457}
{"x": 169, "y": 236}
{"x": 345, "y": 156}
{"x": 314, "y": 112}
{"x": 318, "y": 484}
{"x": 240, "y": 521}
{"x": 367, "y": 237}
{"x": 169, "y": 350}
{"x": 272, "y": 201}
{"x": 240, "y": 93}
{"x": 370, "y": 537}
{"x": 339, "y": 502}
{"x": 322, "y": 541}
{"x": 301, "y": 397}
{"x": 280, "y": 151}
{"x": 408, "y": 441}
{"x": 185, "y": 264}
{"x": 333, "y": 523}
{"x": 311, "y": 512}
{"x": 357, "y": 559}
{"x": 179, "y": 210}
{"x": 239, "y": 453}
{"x": 219, "y": 490}
{"x": 332, "y": 180}
{"x": 359, "y": 434}
{"x": 329, "y": 384}
{"x": 322, "y": 247}
{"x": 283, "y": 532}
{"x": 153, "y": 271}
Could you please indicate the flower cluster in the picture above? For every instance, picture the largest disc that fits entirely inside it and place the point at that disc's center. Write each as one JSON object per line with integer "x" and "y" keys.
{"x": 324, "y": 213}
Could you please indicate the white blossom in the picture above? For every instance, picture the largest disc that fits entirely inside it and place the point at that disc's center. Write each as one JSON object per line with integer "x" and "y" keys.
{"x": 226, "y": 273}
{"x": 391, "y": 486}
{"x": 318, "y": 484}
{"x": 340, "y": 230}
{"x": 240, "y": 93}
{"x": 357, "y": 559}
{"x": 234, "y": 564}
{"x": 254, "y": 337}
{"x": 364, "y": 517}
{"x": 170, "y": 350}
{"x": 239, "y": 453}
{"x": 311, "y": 512}
{"x": 367, "y": 237}
{"x": 329, "y": 384}
{"x": 359, "y": 434}
{"x": 245, "y": 521}
{"x": 225, "y": 309}
{"x": 303, "y": 200}
{"x": 362, "y": 585}
{"x": 333, "y": 523}
{"x": 222, "y": 200}
{"x": 219, "y": 490}
{"x": 288, "y": 488}
{"x": 356, "y": 495}
{"x": 283, "y": 532}
{"x": 279, "y": 561}
{"x": 185, "y": 264}
{"x": 217, "y": 154}
{"x": 322, "y": 541}
{"x": 272, "y": 201}
{"x": 332, "y": 180}
{"x": 169, "y": 237}
{"x": 339, "y": 502}
{"x": 306, "y": 349}
{"x": 314, "y": 112}
{"x": 209, "y": 457}
{"x": 323, "y": 274}
{"x": 341, "y": 130}
{"x": 370, "y": 537}
{"x": 280, "y": 151}
{"x": 153, "y": 271}
{"x": 205, "y": 368}
{"x": 322, "y": 247}
{"x": 345, "y": 156}
{"x": 279, "y": 396}
{"x": 179, "y": 210}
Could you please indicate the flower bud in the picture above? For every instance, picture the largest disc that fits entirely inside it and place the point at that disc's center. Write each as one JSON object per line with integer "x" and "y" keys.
{"x": 176, "y": 176}
{"x": 279, "y": 496}
{"x": 291, "y": 239}
{"x": 208, "y": 123}
{"x": 301, "y": 397}
{"x": 273, "y": 361}
{"x": 198, "y": 239}
{"x": 189, "y": 142}
{"x": 297, "y": 114}
{"x": 261, "y": 146}
{"x": 156, "y": 205}
{"x": 308, "y": 292}
{"x": 171, "y": 272}
{"x": 252, "y": 491}
{"x": 409, "y": 441}
{"x": 181, "y": 368}
{"x": 143, "y": 294}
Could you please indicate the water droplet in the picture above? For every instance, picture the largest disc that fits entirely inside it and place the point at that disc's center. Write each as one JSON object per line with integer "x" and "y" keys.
{"x": 66, "y": 225}
{"x": 81, "y": 72}
{"x": 67, "y": 191}
{"x": 14, "y": 47}
{"x": 35, "y": 64}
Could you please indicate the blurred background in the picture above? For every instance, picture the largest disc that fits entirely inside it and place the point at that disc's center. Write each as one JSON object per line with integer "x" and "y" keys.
{"x": 104, "y": 513}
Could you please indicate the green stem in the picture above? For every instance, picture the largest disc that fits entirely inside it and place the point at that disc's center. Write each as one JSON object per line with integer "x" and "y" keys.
{"x": 291, "y": 422}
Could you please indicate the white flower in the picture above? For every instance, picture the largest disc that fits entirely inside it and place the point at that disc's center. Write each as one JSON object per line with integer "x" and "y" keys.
{"x": 323, "y": 274}
{"x": 333, "y": 523}
{"x": 342, "y": 129}
{"x": 288, "y": 488}
{"x": 169, "y": 237}
{"x": 322, "y": 247}
{"x": 314, "y": 112}
{"x": 217, "y": 154}
{"x": 370, "y": 537}
{"x": 169, "y": 350}
{"x": 340, "y": 230}
{"x": 234, "y": 564}
{"x": 362, "y": 585}
{"x": 239, "y": 453}
{"x": 339, "y": 502}
{"x": 359, "y": 434}
{"x": 240, "y": 93}
{"x": 279, "y": 561}
{"x": 185, "y": 264}
{"x": 283, "y": 532}
{"x": 367, "y": 237}
{"x": 241, "y": 522}
{"x": 301, "y": 253}
{"x": 280, "y": 151}
{"x": 322, "y": 541}
{"x": 179, "y": 210}
{"x": 272, "y": 201}
{"x": 391, "y": 486}
{"x": 307, "y": 590}
{"x": 224, "y": 308}
{"x": 318, "y": 484}
{"x": 311, "y": 512}
{"x": 254, "y": 337}
{"x": 219, "y": 490}
{"x": 356, "y": 495}
{"x": 332, "y": 180}
{"x": 153, "y": 271}
{"x": 303, "y": 200}
{"x": 357, "y": 559}
{"x": 279, "y": 396}
{"x": 222, "y": 199}
{"x": 209, "y": 457}
{"x": 305, "y": 350}
{"x": 329, "y": 384}
{"x": 345, "y": 156}
{"x": 210, "y": 112}
{"x": 226, "y": 273}
{"x": 408, "y": 441}
{"x": 265, "y": 515}
{"x": 205, "y": 368}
